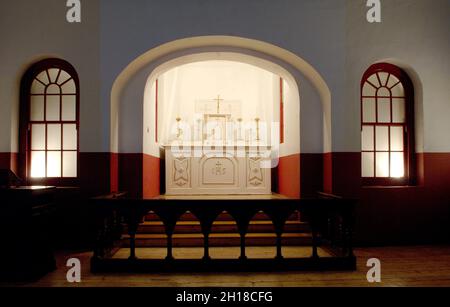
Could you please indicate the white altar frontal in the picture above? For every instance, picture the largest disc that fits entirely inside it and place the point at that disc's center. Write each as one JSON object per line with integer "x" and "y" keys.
{"x": 218, "y": 170}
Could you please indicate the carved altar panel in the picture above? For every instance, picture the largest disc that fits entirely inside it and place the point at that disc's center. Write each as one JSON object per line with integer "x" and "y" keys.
{"x": 181, "y": 172}
{"x": 218, "y": 172}
{"x": 255, "y": 175}
{"x": 178, "y": 171}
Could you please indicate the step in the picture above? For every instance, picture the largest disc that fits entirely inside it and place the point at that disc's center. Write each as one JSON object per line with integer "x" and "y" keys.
{"x": 260, "y": 216}
{"x": 219, "y": 240}
{"x": 157, "y": 227}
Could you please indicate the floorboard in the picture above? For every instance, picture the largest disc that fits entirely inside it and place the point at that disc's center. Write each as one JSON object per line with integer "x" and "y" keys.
{"x": 401, "y": 266}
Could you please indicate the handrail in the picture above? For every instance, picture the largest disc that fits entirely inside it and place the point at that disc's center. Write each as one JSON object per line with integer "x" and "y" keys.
{"x": 330, "y": 218}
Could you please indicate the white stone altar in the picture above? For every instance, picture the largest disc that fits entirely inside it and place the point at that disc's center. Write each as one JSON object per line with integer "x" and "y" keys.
{"x": 217, "y": 170}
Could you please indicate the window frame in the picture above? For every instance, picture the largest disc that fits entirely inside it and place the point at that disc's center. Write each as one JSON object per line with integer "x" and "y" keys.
{"x": 409, "y": 177}
{"x": 25, "y": 123}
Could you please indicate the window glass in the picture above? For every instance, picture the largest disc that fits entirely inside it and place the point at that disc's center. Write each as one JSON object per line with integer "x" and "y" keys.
{"x": 69, "y": 108}
{"x": 382, "y": 138}
{"x": 382, "y": 164}
{"x": 70, "y": 137}
{"x": 52, "y": 107}
{"x": 70, "y": 164}
{"x": 38, "y": 137}
{"x": 54, "y": 137}
{"x": 369, "y": 110}
{"x": 384, "y": 110}
{"x": 367, "y": 138}
{"x": 38, "y": 164}
{"x": 398, "y": 110}
{"x": 53, "y": 164}
{"x": 37, "y": 108}
{"x": 53, "y": 74}
{"x": 397, "y": 138}
{"x": 367, "y": 164}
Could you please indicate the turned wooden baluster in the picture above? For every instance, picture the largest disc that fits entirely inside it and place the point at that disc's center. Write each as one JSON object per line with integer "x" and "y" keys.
{"x": 242, "y": 220}
{"x": 243, "y": 256}
{"x": 169, "y": 246}
{"x": 100, "y": 238}
{"x": 347, "y": 222}
{"x": 134, "y": 219}
{"x": 206, "y": 246}
{"x": 132, "y": 229}
{"x": 207, "y": 218}
{"x": 278, "y": 222}
{"x": 170, "y": 224}
{"x": 279, "y": 218}
{"x": 169, "y": 217}
{"x": 279, "y": 246}
{"x": 314, "y": 232}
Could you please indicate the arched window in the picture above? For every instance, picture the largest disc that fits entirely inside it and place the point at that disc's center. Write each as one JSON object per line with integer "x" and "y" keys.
{"x": 387, "y": 125}
{"x": 49, "y": 123}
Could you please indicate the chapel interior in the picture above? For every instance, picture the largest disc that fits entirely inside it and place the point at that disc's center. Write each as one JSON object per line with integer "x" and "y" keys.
{"x": 173, "y": 147}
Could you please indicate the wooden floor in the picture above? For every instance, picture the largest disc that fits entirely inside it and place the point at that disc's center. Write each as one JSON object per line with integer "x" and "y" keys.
{"x": 401, "y": 266}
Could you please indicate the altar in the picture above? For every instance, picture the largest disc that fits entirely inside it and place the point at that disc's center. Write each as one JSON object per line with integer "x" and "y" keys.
{"x": 217, "y": 153}
{"x": 190, "y": 170}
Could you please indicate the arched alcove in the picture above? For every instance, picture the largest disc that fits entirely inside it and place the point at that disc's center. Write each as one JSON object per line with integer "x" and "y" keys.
{"x": 128, "y": 99}
{"x": 289, "y": 147}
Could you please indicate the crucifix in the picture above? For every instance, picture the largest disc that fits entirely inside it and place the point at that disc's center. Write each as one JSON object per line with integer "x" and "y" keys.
{"x": 218, "y": 103}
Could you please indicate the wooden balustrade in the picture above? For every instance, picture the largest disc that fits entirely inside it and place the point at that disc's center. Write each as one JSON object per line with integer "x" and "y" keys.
{"x": 331, "y": 220}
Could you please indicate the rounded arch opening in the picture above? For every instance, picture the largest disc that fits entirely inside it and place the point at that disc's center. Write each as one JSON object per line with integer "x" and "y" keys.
{"x": 127, "y": 93}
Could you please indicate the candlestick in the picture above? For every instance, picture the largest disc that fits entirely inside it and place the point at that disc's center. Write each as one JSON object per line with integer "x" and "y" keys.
{"x": 239, "y": 129}
{"x": 179, "y": 131}
{"x": 199, "y": 130}
{"x": 257, "y": 129}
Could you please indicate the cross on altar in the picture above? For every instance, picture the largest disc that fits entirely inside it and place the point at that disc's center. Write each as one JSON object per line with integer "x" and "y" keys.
{"x": 218, "y": 103}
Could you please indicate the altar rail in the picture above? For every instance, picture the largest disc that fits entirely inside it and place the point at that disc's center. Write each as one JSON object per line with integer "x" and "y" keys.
{"x": 331, "y": 220}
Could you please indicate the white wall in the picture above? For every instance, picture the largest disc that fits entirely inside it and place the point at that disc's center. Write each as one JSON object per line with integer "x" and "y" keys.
{"x": 416, "y": 36}
{"x": 34, "y": 30}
